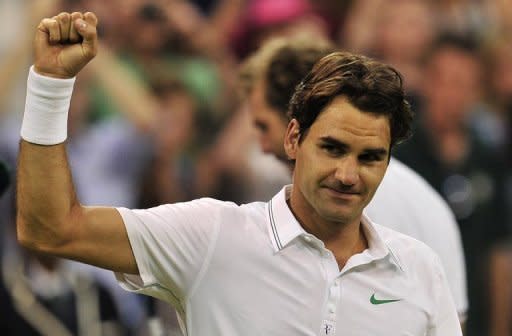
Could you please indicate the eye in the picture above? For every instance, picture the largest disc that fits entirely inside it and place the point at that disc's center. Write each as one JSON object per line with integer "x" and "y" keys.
{"x": 331, "y": 149}
{"x": 370, "y": 157}
{"x": 261, "y": 126}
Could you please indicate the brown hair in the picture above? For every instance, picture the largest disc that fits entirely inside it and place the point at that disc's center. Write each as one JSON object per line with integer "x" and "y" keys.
{"x": 369, "y": 85}
{"x": 282, "y": 63}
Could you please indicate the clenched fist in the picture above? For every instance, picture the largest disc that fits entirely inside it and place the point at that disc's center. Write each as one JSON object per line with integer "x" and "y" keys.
{"x": 65, "y": 43}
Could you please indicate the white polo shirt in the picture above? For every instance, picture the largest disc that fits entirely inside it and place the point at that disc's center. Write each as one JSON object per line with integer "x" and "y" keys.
{"x": 405, "y": 202}
{"x": 253, "y": 270}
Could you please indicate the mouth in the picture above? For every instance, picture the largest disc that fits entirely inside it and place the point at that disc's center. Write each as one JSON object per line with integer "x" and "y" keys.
{"x": 342, "y": 193}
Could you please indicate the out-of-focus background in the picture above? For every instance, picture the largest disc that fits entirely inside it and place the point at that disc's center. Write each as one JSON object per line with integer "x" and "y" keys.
{"x": 155, "y": 118}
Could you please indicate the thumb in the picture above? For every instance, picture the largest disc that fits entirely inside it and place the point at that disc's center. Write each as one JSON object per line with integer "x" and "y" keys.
{"x": 86, "y": 28}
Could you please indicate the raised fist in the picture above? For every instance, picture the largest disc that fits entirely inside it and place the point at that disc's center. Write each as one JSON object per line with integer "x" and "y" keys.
{"x": 65, "y": 43}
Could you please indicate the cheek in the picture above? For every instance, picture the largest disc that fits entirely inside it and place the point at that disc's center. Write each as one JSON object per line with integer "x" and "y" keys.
{"x": 318, "y": 168}
{"x": 373, "y": 176}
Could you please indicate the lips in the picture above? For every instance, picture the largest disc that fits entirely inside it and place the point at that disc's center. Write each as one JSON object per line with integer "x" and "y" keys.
{"x": 343, "y": 191}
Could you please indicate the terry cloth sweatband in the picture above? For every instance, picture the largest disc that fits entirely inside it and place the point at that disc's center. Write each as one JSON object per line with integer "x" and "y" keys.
{"x": 45, "y": 121}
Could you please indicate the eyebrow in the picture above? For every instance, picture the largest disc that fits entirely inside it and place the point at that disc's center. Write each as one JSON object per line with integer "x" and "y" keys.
{"x": 334, "y": 142}
{"x": 341, "y": 145}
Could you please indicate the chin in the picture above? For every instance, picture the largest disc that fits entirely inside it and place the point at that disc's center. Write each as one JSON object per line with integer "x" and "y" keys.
{"x": 340, "y": 217}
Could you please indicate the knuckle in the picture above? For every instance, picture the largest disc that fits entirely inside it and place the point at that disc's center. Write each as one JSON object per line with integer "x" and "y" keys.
{"x": 48, "y": 22}
{"x": 76, "y": 15}
{"x": 64, "y": 16}
{"x": 52, "y": 23}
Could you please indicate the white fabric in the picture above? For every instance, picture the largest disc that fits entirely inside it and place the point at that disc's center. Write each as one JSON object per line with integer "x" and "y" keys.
{"x": 45, "y": 121}
{"x": 405, "y": 202}
{"x": 252, "y": 270}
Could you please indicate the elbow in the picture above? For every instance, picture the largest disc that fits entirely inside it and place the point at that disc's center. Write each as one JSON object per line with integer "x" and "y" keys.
{"x": 26, "y": 237}
{"x": 33, "y": 236}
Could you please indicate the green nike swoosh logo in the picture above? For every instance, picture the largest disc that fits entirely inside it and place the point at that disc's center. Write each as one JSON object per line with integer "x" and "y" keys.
{"x": 375, "y": 301}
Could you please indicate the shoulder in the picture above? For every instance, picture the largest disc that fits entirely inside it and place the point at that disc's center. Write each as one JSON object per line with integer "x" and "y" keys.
{"x": 202, "y": 209}
{"x": 397, "y": 240}
{"x": 413, "y": 255}
{"x": 218, "y": 206}
{"x": 405, "y": 178}
{"x": 407, "y": 202}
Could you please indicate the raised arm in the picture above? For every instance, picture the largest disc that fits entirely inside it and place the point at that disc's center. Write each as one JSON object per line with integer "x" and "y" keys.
{"x": 50, "y": 218}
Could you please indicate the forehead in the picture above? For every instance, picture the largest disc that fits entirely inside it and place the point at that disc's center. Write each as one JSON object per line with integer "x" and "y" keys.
{"x": 258, "y": 105}
{"x": 256, "y": 97}
{"x": 344, "y": 122}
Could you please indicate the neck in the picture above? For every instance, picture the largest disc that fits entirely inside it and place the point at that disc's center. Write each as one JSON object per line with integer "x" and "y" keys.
{"x": 342, "y": 239}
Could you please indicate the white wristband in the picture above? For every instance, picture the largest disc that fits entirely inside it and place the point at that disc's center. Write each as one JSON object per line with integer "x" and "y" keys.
{"x": 45, "y": 121}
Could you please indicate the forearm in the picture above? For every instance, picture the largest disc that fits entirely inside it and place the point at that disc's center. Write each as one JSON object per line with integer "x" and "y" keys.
{"x": 46, "y": 200}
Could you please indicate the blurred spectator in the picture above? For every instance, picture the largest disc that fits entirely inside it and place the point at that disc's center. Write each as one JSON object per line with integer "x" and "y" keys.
{"x": 500, "y": 313}
{"x": 15, "y": 50}
{"x": 494, "y": 126}
{"x": 174, "y": 174}
{"x": 463, "y": 16}
{"x": 357, "y": 33}
{"x": 43, "y": 295}
{"x": 447, "y": 152}
{"x": 333, "y": 13}
{"x": 398, "y": 32}
{"x": 405, "y": 31}
{"x": 263, "y": 19}
{"x": 478, "y": 18}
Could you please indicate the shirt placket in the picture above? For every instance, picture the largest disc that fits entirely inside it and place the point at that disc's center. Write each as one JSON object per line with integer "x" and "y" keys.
{"x": 329, "y": 320}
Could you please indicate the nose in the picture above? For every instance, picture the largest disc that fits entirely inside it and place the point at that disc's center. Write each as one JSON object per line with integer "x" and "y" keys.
{"x": 265, "y": 144}
{"x": 347, "y": 171}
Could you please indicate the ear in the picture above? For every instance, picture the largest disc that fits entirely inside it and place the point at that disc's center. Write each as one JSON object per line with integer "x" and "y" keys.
{"x": 291, "y": 139}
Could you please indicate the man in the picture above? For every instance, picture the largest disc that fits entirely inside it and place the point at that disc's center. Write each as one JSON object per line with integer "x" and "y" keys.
{"x": 449, "y": 153}
{"x": 404, "y": 201}
{"x": 306, "y": 263}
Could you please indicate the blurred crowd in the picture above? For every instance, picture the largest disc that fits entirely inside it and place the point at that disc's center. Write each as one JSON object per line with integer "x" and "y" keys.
{"x": 156, "y": 118}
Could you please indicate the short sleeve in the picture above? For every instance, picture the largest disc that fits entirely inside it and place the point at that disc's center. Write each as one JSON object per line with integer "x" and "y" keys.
{"x": 171, "y": 243}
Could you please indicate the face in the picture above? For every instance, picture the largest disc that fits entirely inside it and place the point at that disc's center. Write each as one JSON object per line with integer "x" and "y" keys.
{"x": 501, "y": 74}
{"x": 269, "y": 122}
{"x": 452, "y": 86}
{"x": 406, "y": 30}
{"x": 339, "y": 163}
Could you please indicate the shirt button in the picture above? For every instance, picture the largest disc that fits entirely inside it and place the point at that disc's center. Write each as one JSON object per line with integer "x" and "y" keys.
{"x": 331, "y": 308}
{"x": 307, "y": 239}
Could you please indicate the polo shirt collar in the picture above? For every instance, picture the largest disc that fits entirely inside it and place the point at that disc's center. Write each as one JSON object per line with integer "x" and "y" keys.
{"x": 283, "y": 228}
